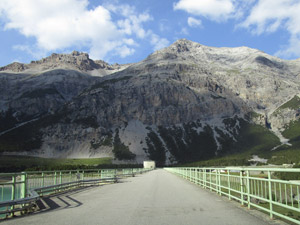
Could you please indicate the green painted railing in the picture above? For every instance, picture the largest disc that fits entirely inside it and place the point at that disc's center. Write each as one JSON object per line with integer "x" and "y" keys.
{"x": 253, "y": 187}
{"x": 18, "y": 189}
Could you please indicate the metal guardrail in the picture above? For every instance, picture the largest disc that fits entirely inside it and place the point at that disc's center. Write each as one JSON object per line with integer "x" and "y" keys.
{"x": 19, "y": 191}
{"x": 252, "y": 187}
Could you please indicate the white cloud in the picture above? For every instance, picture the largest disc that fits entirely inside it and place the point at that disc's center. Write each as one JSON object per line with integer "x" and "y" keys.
{"x": 184, "y": 31}
{"x": 270, "y": 16}
{"x": 193, "y": 22}
{"x": 32, "y": 50}
{"x": 258, "y": 16}
{"x": 125, "y": 51}
{"x": 292, "y": 49}
{"x": 216, "y": 10}
{"x": 164, "y": 25}
{"x": 129, "y": 41}
{"x": 61, "y": 24}
{"x": 158, "y": 42}
{"x": 132, "y": 23}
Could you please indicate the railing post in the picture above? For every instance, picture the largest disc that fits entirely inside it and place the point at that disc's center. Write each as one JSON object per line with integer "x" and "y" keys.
{"x": 242, "y": 187}
{"x": 270, "y": 195}
{"x": 70, "y": 178}
{"x": 55, "y": 177}
{"x": 204, "y": 178}
{"x": 116, "y": 175}
{"x": 187, "y": 173}
{"x": 99, "y": 176}
{"x": 23, "y": 184}
{"x": 198, "y": 176}
{"x": 2, "y": 194}
{"x": 82, "y": 179}
{"x": 219, "y": 181}
{"x": 13, "y": 187}
{"x": 60, "y": 177}
{"x": 248, "y": 188}
{"x": 210, "y": 179}
{"x": 229, "y": 186}
{"x": 43, "y": 179}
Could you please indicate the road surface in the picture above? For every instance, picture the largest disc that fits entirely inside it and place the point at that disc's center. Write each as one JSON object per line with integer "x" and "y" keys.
{"x": 155, "y": 198}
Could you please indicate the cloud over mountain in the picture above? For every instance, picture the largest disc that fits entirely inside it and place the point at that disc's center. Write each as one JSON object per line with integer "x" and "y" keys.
{"x": 57, "y": 25}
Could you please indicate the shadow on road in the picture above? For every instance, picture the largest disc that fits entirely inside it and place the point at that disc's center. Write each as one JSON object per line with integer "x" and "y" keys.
{"x": 57, "y": 201}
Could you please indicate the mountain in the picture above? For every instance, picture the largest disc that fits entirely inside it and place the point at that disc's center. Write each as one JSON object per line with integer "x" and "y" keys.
{"x": 183, "y": 103}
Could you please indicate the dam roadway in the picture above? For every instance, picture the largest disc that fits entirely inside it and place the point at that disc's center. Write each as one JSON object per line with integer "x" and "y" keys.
{"x": 154, "y": 198}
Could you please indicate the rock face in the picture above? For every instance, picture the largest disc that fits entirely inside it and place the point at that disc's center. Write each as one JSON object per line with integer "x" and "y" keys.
{"x": 183, "y": 103}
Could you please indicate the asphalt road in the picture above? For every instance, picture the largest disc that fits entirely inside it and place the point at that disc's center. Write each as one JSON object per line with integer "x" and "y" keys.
{"x": 154, "y": 198}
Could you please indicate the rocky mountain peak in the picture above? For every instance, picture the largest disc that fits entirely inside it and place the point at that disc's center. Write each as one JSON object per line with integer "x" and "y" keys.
{"x": 14, "y": 67}
{"x": 184, "y": 49}
{"x": 182, "y": 45}
{"x": 75, "y": 60}
{"x": 78, "y": 60}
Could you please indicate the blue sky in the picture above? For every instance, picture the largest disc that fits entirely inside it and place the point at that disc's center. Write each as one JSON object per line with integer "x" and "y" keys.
{"x": 125, "y": 31}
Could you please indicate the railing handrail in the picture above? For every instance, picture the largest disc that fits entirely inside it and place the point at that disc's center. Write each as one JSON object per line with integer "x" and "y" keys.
{"x": 65, "y": 171}
{"x": 246, "y": 168}
{"x": 36, "y": 193}
{"x": 238, "y": 183}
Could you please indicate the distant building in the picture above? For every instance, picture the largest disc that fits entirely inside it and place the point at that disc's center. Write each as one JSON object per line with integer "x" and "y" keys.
{"x": 149, "y": 164}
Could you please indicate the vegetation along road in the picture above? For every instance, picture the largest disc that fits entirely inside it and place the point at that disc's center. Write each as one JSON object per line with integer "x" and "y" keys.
{"x": 157, "y": 197}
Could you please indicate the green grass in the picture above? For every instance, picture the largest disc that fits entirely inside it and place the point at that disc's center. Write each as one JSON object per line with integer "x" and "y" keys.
{"x": 230, "y": 160}
{"x": 254, "y": 115}
{"x": 283, "y": 155}
{"x": 120, "y": 150}
{"x": 186, "y": 144}
{"x": 252, "y": 139}
{"x": 287, "y": 156}
{"x": 20, "y": 163}
{"x": 284, "y": 211}
{"x": 294, "y": 104}
{"x": 292, "y": 131}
